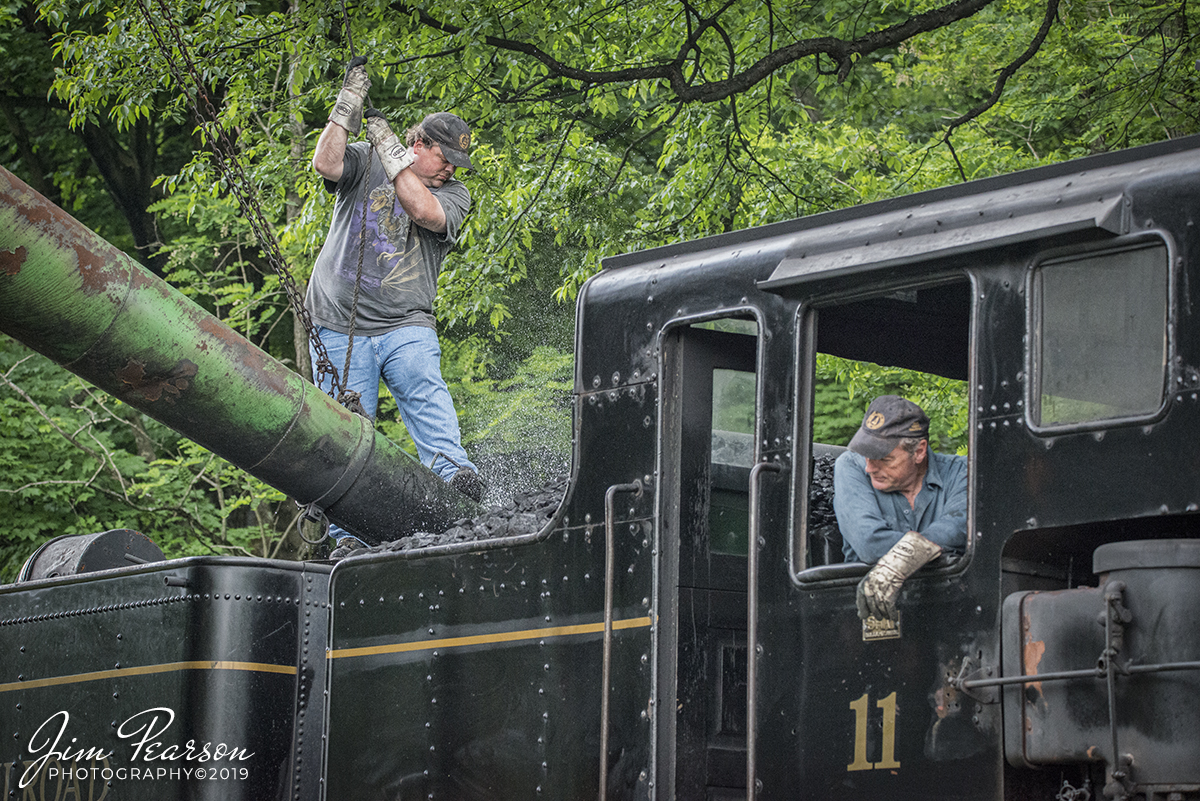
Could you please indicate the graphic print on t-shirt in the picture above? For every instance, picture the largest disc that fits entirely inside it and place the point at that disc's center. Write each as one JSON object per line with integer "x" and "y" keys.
{"x": 398, "y": 255}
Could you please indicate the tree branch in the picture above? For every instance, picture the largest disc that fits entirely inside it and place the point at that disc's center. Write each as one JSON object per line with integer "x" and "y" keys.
{"x": 1006, "y": 73}
{"x": 842, "y": 52}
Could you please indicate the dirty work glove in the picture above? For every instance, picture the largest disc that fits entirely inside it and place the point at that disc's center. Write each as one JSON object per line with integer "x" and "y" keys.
{"x": 348, "y": 108}
{"x": 393, "y": 155}
{"x": 877, "y": 592}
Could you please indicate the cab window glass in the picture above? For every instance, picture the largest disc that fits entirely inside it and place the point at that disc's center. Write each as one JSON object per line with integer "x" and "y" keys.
{"x": 732, "y": 458}
{"x": 1101, "y": 344}
{"x": 730, "y": 389}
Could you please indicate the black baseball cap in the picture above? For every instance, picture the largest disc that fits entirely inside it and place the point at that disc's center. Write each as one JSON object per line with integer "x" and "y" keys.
{"x": 888, "y": 420}
{"x": 454, "y": 136}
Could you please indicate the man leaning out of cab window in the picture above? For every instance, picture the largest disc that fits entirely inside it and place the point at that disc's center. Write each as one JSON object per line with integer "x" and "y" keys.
{"x": 898, "y": 504}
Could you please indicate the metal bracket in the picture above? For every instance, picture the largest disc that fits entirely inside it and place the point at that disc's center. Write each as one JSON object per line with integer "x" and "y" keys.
{"x": 974, "y": 682}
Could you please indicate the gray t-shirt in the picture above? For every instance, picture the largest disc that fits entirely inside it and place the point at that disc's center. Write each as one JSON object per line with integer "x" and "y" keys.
{"x": 401, "y": 261}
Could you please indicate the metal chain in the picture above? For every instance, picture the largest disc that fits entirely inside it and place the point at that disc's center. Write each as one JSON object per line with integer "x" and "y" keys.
{"x": 348, "y": 398}
{"x": 240, "y": 186}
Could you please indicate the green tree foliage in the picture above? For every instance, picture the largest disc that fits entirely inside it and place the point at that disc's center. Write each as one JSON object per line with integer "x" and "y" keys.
{"x": 845, "y": 388}
{"x": 599, "y": 129}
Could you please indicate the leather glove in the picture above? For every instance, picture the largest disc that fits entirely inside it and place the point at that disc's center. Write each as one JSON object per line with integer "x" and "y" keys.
{"x": 393, "y": 155}
{"x": 877, "y": 592}
{"x": 348, "y": 108}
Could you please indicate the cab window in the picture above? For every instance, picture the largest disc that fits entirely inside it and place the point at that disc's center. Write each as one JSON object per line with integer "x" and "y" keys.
{"x": 912, "y": 342}
{"x": 1099, "y": 336}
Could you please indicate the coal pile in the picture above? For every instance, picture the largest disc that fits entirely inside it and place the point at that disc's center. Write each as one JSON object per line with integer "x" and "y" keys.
{"x": 824, "y": 538}
{"x": 526, "y": 513}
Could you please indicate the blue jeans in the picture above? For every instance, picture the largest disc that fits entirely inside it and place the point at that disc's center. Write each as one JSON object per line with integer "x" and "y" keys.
{"x": 409, "y": 360}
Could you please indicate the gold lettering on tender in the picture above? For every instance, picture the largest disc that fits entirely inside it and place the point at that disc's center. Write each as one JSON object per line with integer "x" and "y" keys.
{"x": 71, "y": 787}
{"x": 98, "y": 776}
{"x": 28, "y": 794}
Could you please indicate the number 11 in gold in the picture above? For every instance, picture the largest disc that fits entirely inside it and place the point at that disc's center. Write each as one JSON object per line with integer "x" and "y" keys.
{"x": 888, "y": 755}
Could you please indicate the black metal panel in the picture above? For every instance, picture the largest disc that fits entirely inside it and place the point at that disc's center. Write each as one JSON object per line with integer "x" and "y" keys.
{"x": 217, "y": 647}
{"x": 481, "y": 674}
{"x": 623, "y": 313}
{"x": 830, "y": 699}
{"x": 477, "y": 675}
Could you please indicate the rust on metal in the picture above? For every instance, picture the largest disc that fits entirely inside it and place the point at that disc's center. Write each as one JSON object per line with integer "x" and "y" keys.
{"x": 153, "y": 387}
{"x": 38, "y": 218}
{"x": 248, "y": 356}
{"x": 91, "y": 269}
{"x": 943, "y": 697}
{"x": 11, "y": 260}
{"x": 1032, "y": 653}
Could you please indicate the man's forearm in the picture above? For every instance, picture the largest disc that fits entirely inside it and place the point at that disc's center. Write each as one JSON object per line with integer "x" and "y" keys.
{"x": 948, "y": 531}
{"x": 419, "y": 203}
{"x": 328, "y": 159}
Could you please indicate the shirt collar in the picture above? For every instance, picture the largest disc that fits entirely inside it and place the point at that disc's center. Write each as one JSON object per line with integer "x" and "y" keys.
{"x": 933, "y": 475}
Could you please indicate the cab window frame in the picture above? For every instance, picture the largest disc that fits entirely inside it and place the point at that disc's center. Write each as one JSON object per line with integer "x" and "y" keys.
{"x": 1034, "y": 315}
{"x": 806, "y": 351}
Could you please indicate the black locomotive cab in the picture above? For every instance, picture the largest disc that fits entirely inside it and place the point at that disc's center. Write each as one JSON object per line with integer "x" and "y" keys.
{"x": 1052, "y": 307}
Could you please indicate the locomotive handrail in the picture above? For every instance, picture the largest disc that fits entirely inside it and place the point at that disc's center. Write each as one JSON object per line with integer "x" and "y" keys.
{"x": 1097, "y": 672}
{"x": 752, "y": 622}
{"x": 606, "y": 664}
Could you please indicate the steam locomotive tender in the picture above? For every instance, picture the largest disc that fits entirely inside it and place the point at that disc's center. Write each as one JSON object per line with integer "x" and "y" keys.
{"x": 680, "y": 628}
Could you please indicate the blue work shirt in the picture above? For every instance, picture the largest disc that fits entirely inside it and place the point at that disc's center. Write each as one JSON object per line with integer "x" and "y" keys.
{"x": 872, "y": 522}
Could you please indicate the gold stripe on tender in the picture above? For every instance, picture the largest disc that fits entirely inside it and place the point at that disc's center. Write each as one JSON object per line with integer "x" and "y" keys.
{"x": 487, "y": 639}
{"x": 145, "y": 670}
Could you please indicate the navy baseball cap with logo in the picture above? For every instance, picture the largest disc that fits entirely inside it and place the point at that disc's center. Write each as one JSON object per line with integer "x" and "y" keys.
{"x": 888, "y": 420}
{"x": 449, "y": 131}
